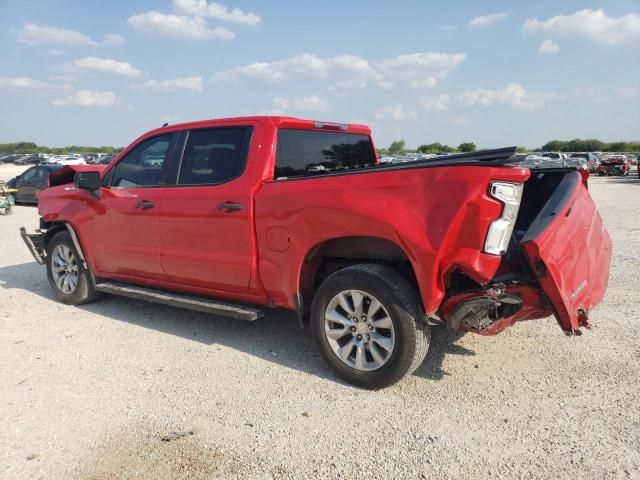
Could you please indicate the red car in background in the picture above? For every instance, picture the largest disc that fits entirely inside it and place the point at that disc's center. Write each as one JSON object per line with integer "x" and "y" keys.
{"x": 615, "y": 165}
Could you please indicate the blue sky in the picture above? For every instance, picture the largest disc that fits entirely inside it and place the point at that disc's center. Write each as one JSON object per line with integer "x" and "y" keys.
{"x": 497, "y": 73}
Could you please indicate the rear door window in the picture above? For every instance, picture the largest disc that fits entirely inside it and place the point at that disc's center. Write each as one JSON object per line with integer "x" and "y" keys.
{"x": 214, "y": 155}
{"x": 303, "y": 153}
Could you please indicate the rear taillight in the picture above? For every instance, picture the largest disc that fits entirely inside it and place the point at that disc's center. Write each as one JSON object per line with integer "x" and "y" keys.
{"x": 500, "y": 230}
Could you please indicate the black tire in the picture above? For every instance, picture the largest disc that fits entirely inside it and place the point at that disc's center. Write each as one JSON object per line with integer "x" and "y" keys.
{"x": 399, "y": 298}
{"x": 85, "y": 291}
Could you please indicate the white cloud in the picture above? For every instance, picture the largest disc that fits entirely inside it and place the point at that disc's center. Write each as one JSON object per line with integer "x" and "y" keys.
{"x": 194, "y": 84}
{"x": 34, "y": 34}
{"x": 63, "y": 78}
{"x": 513, "y": 94}
{"x": 586, "y": 91}
{"x": 87, "y": 98}
{"x": 548, "y": 47}
{"x": 591, "y": 24}
{"x": 485, "y": 21}
{"x": 21, "y": 83}
{"x": 418, "y": 69}
{"x": 311, "y": 103}
{"x": 396, "y": 111}
{"x": 113, "y": 39}
{"x": 439, "y": 102}
{"x": 178, "y": 26}
{"x": 305, "y": 65}
{"x": 200, "y": 8}
{"x": 54, "y": 51}
{"x": 107, "y": 65}
{"x": 350, "y": 71}
{"x": 280, "y": 103}
{"x": 629, "y": 92}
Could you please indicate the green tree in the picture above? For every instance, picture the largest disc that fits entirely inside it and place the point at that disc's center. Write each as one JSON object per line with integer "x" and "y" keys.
{"x": 618, "y": 147}
{"x": 436, "y": 147}
{"x": 555, "y": 146}
{"x": 467, "y": 147}
{"x": 447, "y": 149}
{"x": 397, "y": 146}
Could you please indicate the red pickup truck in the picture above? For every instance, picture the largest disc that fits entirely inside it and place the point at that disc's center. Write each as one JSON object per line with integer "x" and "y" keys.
{"x": 236, "y": 216}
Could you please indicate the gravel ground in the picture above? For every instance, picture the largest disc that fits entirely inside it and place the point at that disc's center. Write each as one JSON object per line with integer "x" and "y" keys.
{"x": 127, "y": 389}
{"x": 9, "y": 170}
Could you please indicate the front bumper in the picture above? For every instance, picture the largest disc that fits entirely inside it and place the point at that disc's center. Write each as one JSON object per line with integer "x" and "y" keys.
{"x": 35, "y": 244}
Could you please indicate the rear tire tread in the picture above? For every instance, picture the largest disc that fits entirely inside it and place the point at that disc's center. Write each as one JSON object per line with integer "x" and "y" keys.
{"x": 417, "y": 338}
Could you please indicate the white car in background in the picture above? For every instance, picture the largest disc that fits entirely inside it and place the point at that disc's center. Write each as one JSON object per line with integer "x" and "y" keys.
{"x": 71, "y": 161}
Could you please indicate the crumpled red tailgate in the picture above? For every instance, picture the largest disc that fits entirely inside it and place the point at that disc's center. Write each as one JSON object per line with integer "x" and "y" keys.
{"x": 569, "y": 249}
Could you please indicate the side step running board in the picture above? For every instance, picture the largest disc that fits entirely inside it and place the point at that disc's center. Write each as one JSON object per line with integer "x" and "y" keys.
{"x": 199, "y": 304}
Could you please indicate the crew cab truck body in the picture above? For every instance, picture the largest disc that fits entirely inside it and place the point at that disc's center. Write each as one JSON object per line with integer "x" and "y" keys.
{"x": 234, "y": 216}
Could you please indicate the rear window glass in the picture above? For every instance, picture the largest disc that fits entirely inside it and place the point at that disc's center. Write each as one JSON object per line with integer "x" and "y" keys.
{"x": 303, "y": 153}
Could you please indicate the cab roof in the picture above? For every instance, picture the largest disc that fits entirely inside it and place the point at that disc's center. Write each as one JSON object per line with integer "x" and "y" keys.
{"x": 278, "y": 121}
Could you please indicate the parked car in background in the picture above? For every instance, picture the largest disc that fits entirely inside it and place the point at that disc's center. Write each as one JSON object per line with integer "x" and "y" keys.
{"x": 28, "y": 160}
{"x": 533, "y": 161}
{"x": 71, "y": 161}
{"x": 554, "y": 155}
{"x": 104, "y": 160}
{"x": 9, "y": 158}
{"x": 31, "y": 182}
{"x": 577, "y": 162}
{"x": 386, "y": 159}
{"x": 551, "y": 160}
{"x": 614, "y": 165}
{"x": 591, "y": 159}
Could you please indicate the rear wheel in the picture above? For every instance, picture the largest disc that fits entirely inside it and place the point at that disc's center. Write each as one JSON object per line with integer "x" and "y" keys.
{"x": 69, "y": 279}
{"x": 368, "y": 325}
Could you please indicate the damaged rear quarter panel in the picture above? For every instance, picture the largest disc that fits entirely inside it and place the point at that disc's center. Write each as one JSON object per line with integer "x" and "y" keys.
{"x": 439, "y": 216}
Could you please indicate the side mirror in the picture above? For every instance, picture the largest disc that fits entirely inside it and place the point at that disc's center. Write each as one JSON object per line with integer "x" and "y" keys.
{"x": 87, "y": 181}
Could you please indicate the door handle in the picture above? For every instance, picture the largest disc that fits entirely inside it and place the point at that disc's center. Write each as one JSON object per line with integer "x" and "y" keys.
{"x": 145, "y": 205}
{"x": 230, "y": 207}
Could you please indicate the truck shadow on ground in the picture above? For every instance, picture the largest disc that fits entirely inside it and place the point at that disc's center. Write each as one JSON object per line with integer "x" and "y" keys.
{"x": 276, "y": 338}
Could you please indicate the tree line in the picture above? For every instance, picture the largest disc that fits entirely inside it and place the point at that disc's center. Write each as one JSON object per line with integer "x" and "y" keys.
{"x": 399, "y": 146}
{"x": 590, "y": 145}
{"x": 30, "y": 147}
{"x": 575, "y": 145}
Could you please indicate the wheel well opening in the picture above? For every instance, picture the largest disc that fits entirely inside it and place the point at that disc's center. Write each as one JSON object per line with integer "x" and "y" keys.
{"x": 52, "y": 229}
{"x": 336, "y": 254}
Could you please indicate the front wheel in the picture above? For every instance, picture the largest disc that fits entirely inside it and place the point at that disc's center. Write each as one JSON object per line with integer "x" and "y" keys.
{"x": 69, "y": 279}
{"x": 368, "y": 325}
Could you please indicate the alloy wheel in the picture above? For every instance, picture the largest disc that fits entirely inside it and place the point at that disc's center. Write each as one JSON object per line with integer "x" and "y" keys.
{"x": 64, "y": 269}
{"x": 359, "y": 330}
